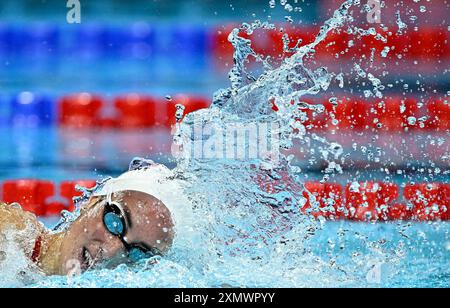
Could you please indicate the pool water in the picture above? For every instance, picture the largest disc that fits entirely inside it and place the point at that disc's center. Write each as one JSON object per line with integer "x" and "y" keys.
{"x": 339, "y": 254}
{"x": 57, "y": 154}
{"x": 252, "y": 245}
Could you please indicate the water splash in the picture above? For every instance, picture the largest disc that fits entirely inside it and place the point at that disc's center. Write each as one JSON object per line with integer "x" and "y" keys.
{"x": 16, "y": 268}
{"x": 254, "y": 206}
{"x": 248, "y": 211}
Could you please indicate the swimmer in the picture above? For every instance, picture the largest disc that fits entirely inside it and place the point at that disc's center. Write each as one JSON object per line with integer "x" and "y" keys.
{"x": 129, "y": 218}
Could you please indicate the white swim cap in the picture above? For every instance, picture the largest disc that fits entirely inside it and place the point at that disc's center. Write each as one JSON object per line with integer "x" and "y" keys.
{"x": 157, "y": 181}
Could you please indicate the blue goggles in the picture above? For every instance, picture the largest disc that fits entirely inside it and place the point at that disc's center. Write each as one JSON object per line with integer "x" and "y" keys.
{"x": 115, "y": 223}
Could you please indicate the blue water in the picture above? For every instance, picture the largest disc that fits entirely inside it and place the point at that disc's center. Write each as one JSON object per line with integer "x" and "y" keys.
{"x": 417, "y": 256}
{"x": 324, "y": 254}
{"x": 57, "y": 154}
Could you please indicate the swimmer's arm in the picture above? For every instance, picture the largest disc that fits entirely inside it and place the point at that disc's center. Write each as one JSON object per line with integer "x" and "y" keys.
{"x": 12, "y": 216}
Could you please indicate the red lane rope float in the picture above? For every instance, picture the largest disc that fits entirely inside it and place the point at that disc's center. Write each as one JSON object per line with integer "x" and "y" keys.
{"x": 352, "y": 115}
{"x": 428, "y": 43}
{"x": 358, "y": 201}
{"x": 30, "y": 194}
{"x": 399, "y": 211}
{"x": 439, "y": 110}
{"x": 54, "y": 208}
{"x": 329, "y": 200}
{"x": 190, "y": 102}
{"x": 391, "y": 114}
{"x": 369, "y": 201}
{"x": 36, "y": 196}
{"x": 430, "y": 201}
{"x": 136, "y": 111}
{"x": 129, "y": 111}
{"x": 80, "y": 110}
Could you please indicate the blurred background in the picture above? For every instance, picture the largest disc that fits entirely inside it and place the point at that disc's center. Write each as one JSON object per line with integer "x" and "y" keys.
{"x": 79, "y": 101}
{"x": 152, "y": 49}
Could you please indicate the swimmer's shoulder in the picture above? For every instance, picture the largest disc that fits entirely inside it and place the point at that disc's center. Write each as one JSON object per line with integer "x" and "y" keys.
{"x": 13, "y": 216}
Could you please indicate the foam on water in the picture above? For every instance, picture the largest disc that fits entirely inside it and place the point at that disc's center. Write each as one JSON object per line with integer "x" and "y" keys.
{"x": 15, "y": 266}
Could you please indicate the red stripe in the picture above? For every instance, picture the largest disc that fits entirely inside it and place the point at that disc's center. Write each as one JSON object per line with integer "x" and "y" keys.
{"x": 422, "y": 202}
{"x": 36, "y": 250}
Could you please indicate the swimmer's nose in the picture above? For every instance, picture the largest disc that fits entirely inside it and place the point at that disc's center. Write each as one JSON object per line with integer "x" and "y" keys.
{"x": 112, "y": 247}
{"x": 104, "y": 243}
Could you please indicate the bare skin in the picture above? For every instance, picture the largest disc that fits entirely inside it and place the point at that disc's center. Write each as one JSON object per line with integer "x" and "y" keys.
{"x": 88, "y": 243}
{"x": 24, "y": 227}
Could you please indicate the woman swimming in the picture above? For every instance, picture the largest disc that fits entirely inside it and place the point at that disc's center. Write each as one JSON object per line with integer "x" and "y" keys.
{"x": 128, "y": 218}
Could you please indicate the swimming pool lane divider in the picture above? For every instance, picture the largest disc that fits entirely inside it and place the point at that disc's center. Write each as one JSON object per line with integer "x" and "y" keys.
{"x": 137, "y": 111}
{"x": 425, "y": 43}
{"x": 137, "y": 40}
{"x": 357, "y": 201}
{"x": 43, "y": 197}
{"x": 86, "y": 110}
{"x": 143, "y": 40}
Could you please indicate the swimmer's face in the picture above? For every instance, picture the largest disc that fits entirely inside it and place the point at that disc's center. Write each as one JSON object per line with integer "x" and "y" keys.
{"x": 144, "y": 224}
